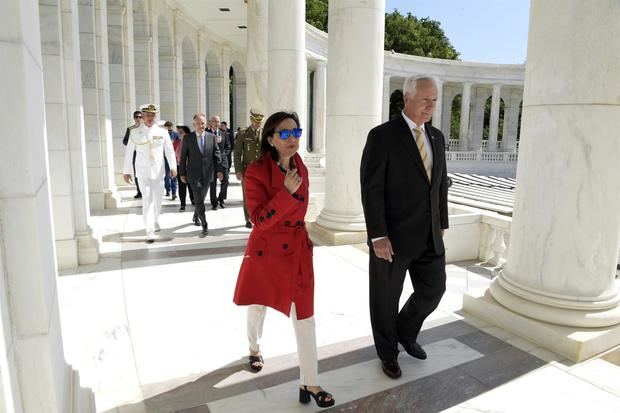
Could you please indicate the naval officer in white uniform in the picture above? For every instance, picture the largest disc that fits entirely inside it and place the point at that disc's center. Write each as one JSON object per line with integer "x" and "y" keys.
{"x": 151, "y": 143}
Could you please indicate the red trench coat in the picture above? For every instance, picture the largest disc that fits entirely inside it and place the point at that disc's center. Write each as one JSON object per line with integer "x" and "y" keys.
{"x": 277, "y": 267}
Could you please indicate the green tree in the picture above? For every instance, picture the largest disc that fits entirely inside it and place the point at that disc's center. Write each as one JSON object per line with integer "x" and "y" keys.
{"x": 403, "y": 33}
{"x": 316, "y": 13}
{"x": 418, "y": 37}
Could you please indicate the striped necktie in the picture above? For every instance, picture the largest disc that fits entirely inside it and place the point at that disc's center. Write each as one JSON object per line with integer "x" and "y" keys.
{"x": 419, "y": 140}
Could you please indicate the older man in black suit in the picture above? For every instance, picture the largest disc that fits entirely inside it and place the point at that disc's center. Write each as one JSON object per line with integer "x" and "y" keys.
{"x": 200, "y": 157}
{"x": 405, "y": 197}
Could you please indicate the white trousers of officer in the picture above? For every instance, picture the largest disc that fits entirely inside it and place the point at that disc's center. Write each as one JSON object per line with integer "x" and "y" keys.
{"x": 306, "y": 341}
{"x": 152, "y": 190}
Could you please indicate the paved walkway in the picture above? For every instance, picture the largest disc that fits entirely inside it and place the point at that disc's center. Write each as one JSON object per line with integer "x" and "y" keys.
{"x": 152, "y": 328}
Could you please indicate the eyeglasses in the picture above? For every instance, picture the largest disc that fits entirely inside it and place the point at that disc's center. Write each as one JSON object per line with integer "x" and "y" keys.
{"x": 287, "y": 133}
{"x": 138, "y": 117}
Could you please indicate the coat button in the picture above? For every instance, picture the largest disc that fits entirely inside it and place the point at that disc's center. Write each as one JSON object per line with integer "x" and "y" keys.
{"x": 285, "y": 246}
{"x": 298, "y": 223}
{"x": 268, "y": 214}
{"x": 259, "y": 253}
{"x": 261, "y": 219}
{"x": 287, "y": 223}
{"x": 273, "y": 212}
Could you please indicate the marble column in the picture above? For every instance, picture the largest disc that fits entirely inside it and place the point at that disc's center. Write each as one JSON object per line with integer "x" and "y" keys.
{"x": 511, "y": 120}
{"x": 351, "y": 110}
{"x": 494, "y": 121}
{"x": 287, "y": 56}
{"x": 202, "y": 78}
{"x": 216, "y": 94}
{"x": 387, "y": 91}
{"x": 464, "y": 122}
{"x": 439, "y": 107}
{"x": 313, "y": 159}
{"x": 35, "y": 376}
{"x": 558, "y": 288}
{"x": 96, "y": 104}
{"x": 122, "y": 80}
{"x": 446, "y": 112}
{"x": 475, "y": 139}
{"x": 65, "y": 146}
{"x": 257, "y": 57}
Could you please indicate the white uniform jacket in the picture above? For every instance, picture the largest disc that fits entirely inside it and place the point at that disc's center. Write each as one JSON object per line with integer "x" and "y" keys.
{"x": 151, "y": 145}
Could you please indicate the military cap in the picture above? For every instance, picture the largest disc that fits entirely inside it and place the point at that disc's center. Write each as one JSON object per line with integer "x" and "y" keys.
{"x": 257, "y": 114}
{"x": 150, "y": 108}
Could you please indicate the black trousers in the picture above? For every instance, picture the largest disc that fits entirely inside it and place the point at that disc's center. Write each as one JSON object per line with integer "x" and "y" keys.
{"x": 183, "y": 189}
{"x": 200, "y": 192}
{"x": 214, "y": 198}
{"x": 389, "y": 325}
{"x": 133, "y": 163}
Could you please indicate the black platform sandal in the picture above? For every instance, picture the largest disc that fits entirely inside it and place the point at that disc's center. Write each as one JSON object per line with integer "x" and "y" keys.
{"x": 320, "y": 398}
{"x": 256, "y": 363}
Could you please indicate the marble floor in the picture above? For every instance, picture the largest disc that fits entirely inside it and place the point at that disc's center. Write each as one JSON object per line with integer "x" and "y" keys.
{"x": 152, "y": 328}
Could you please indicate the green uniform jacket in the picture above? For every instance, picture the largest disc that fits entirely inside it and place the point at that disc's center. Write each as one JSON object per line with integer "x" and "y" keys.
{"x": 247, "y": 148}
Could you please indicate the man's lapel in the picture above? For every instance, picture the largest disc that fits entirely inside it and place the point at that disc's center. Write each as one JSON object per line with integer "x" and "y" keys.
{"x": 406, "y": 137}
{"x": 435, "y": 149}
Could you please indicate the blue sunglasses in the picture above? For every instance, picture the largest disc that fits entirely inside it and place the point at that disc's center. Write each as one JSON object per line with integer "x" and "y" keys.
{"x": 286, "y": 133}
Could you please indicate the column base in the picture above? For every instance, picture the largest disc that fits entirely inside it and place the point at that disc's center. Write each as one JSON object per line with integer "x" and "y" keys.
{"x": 66, "y": 253}
{"x": 96, "y": 200}
{"x": 112, "y": 199}
{"x": 335, "y": 237}
{"x": 313, "y": 161}
{"x": 574, "y": 343}
{"x": 83, "y": 398}
{"x": 88, "y": 248}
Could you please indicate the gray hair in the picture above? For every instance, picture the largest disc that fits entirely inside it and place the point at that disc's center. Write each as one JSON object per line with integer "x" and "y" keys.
{"x": 411, "y": 82}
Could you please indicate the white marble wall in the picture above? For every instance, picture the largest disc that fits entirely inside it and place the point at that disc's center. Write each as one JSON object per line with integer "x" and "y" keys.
{"x": 191, "y": 85}
{"x": 35, "y": 375}
{"x": 511, "y": 119}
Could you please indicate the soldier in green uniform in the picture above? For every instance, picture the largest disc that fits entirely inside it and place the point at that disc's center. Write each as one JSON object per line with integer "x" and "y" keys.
{"x": 247, "y": 149}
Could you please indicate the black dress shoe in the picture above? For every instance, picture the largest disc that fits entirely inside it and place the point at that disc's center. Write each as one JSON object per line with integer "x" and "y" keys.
{"x": 196, "y": 222}
{"x": 222, "y": 204}
{"x": 204, "y": 232}
{"x": 248, "y": 224}
{"x": 414, "y": 349}
{"x": 214, "y": 207}
{"x": 137, "y": 196}
{"x": 174, "y": 197}
{"x": 391, "y": 368}
{"x": 182, "y": 208}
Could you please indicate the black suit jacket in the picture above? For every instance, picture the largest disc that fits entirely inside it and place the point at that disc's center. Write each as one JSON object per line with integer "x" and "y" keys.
{"x": 196, "y": 166}
{"x": 398, "y": 199}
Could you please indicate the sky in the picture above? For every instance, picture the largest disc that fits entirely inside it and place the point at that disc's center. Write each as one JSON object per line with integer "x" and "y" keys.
{"x": 488, "y": 31}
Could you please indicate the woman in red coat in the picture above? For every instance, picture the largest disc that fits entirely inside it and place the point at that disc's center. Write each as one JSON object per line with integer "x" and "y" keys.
{"x": 277, "y": 269}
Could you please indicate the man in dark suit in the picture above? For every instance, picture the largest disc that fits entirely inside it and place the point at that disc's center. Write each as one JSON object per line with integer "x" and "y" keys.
{"x": 225, "y": 148}
{"x": 137, "y": 119}
{"x": 405, "y": 198}
{"x": 200, "y": 158}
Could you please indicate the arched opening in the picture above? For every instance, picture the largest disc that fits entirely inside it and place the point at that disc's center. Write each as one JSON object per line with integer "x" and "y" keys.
{"x": 190, "y": 81}
{"x": 238, "y": 111}
{"x": 519, "y": 122}
{"x": 141, "y": 54}
{"x": 487, "y": 120}
{"x": 396, "y": 103}
{"x": 166, "y": 72}
{"x": 455, "y": 117}
{"x": 213, "y": 82}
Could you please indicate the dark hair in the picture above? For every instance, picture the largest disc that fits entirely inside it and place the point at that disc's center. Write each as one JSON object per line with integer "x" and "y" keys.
{"x": 269, "y": 129}
{"x": 184, "y": 128}
{"x": 137, "y": 112}
{"x": 223, "y": 123}
{"x": 168, "y": 123}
